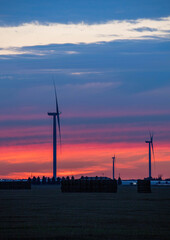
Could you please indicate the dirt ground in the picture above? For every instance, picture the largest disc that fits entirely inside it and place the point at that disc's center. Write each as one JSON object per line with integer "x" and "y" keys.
{"x": 45, "y": 213}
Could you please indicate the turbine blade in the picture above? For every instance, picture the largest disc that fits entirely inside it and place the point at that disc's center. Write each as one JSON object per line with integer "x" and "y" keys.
{"x": 58, "y": 113}
{"x": 153, "y": 151}
{"x": 150, "y": 135}
{"x": 56, "y": 102}
{"x": 59, "y": 128}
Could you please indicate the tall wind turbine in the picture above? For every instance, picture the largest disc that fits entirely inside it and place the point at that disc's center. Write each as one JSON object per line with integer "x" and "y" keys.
{"x": 150, "y": 142}
{"x": 55, "y": 123}
{"x": 113, "y": 167}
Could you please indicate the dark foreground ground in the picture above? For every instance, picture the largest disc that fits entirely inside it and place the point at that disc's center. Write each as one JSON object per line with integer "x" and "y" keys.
{"x": 45, "y": 213}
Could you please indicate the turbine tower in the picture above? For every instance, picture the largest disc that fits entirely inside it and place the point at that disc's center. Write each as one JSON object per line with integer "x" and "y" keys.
{"x": 55, "y": 123}
{"x": 113, "y": 167}
{"x": 150, "y": 142}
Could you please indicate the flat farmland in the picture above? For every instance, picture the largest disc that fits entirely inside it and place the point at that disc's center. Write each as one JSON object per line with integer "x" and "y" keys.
{"x": 45, "y": 213}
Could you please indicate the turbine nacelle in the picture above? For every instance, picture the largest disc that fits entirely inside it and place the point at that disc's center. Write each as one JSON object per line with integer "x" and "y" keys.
{"x": 151, "y": 139}
{"x": 52, "y": 114}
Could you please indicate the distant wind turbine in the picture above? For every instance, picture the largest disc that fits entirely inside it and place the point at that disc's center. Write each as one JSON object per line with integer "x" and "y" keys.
{"x": 113, "y": 167}
{"x": 150, "y": 142}
{"x": 55, "y": 114}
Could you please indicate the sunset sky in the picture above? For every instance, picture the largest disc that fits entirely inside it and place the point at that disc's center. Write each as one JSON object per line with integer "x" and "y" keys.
{"x": 110, "y": 61}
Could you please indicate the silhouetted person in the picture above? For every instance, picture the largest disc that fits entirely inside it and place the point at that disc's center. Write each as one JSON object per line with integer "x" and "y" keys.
{"x": 34, "y": 180}
{"x": 49, "y": 180}
{"x": 38, "y": 180}
{"x": 53, "y": 180}
{"x": 63, "y": 179}
{"x": 43, "y": 180}
{"x": 29, "y": 180}
{"x": 119, "y": 181}
{"x": 58, "y": 180}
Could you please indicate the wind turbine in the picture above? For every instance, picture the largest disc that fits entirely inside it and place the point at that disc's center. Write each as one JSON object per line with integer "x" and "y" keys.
{"x": 150, "y": 142}
{"x": 113, "y": 167}
{"x": 55, "y": 123}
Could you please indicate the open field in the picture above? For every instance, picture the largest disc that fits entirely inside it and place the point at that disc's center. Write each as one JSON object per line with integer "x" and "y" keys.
{"x": 45, "y": 213}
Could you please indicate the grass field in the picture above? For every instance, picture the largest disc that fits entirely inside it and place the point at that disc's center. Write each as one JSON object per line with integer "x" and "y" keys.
{"x": 45, "y": 213}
